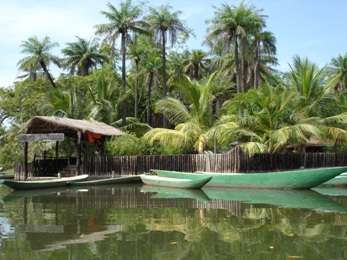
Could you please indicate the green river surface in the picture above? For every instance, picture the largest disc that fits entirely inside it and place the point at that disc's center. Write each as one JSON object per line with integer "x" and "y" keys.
{"x": 139, "y": 222}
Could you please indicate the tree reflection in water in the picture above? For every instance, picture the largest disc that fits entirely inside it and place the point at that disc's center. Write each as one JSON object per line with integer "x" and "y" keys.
{"x": 123, "y": 223}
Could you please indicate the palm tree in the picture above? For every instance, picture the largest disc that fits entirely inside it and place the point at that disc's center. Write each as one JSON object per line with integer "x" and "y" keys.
{"x": 265, "y": 51}
{"x": 38, "y": 56}
{"x": 191, "y": 121}
{"x": 152, "y": 65}
{"x": 103, "y": 107}
{"x": 196, "y": 63}
{"x": 308, "y": 80}
{"x": 267, "y": 119}
{"x": 82, "y": 56}
{"x": 338, "y": 73}
{"x": 122, "y": 22}
{"x": 230, "y": 29}
{"x": 64, "y": 103}
{"x": 166, "y": 25}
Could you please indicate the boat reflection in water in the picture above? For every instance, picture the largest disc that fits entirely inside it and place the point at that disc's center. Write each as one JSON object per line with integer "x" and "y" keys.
{"x": 134, "y": 222}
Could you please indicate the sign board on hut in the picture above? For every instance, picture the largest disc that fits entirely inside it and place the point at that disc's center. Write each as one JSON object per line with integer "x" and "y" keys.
{"x": 41, "y": 137}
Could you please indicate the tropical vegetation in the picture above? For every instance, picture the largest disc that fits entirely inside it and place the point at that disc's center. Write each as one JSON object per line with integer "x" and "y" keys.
{"x": 137, "y": 73}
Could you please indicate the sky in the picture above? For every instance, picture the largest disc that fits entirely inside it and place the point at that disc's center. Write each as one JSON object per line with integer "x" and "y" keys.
{"x": 309, "y": 28}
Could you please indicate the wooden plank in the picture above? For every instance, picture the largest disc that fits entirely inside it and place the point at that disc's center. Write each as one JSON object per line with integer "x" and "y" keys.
{"x": 23, "y": 138}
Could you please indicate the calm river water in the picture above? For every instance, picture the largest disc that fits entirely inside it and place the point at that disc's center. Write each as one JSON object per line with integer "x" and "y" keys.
{"x": 135, "y": 222}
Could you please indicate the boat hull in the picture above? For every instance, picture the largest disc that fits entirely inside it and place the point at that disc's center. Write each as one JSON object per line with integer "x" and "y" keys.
{"x": 340, "y": 180}
{"x": 118, "y": 180}
{"x": 43, "y": 183}
{"x": 196, "y": 183}
{"x": 297, "y": 179}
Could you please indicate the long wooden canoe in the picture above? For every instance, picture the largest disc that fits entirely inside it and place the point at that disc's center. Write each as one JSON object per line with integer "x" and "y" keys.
{"x": 340, "y": 180}
{"x": 108, "y": 181}
{"x": 296, "y": 179}
{"x": 195, "y": 183}
{"x": 43, "y": 182}
{"x": 6, "y": 177}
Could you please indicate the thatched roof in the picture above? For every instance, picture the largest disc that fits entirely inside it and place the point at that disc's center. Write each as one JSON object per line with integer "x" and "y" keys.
{"x": 51, "y": 124}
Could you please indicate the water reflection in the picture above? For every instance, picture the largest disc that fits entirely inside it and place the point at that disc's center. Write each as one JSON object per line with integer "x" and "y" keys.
{"x": 134, "y": 222}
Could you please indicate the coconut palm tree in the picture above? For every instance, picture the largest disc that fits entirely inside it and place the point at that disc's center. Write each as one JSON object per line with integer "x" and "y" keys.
{"x": 104, "y": 96}
{"x": 82, "y": 56}
{"x": 39, "y": 55}
{"x": 230, "y": 29}
{"x": 338, "y": 72}
{"x": 191, "y": 121}
{"x": 122, "y": 22}
{"x": 196, "y": 63}
{"x": 264, "y": 53}
{"x": 64, "y": 103}
{"x": 265, "y": 120}
{"x": 166, "y": 26}
{"x": 308, "y": 80}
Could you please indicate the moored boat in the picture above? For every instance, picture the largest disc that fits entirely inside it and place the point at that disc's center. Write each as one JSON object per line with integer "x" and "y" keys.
{"x": 340, "y": 180}
{"x": 42, "y": 183}
{"x": 294, "y": 179}
{"x": 6, "y": 177}
{"x": 184, "y": 183}
{"x": 108, "y": 181}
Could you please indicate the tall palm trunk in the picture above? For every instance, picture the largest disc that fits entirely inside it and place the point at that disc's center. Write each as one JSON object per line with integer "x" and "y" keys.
{"x": 149, "y": 97}
{"x": 44, "y": 67}
{"x": 237, "y": 64}
{"x": 136, "y": 94}
{"x": 163, "y": 35}
{"x": 242, "y": 65}
{"x": 124, "y": 78}
{"x": 196, "y": 71}
{"x": 256, "y": 65}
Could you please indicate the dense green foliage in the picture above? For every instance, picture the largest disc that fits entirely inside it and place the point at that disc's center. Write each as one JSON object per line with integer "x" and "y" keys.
{"x": 141, "y": 77}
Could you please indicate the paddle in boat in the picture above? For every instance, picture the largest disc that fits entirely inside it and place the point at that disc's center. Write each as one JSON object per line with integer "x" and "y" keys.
{"x": 42, "y": 183}
{"x": 114, "y": 180}
{"x": 294, "y": 179}
{"x": 175, "y": 182}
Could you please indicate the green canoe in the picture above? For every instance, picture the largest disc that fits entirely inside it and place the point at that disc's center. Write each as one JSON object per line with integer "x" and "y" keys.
{"x": 340, "y": 180}
{"x": 296, "y": 179}
{"x": 183, "y": 183}
{"x": 6, "y": 177}
{"x": 42, "y": 183}
{"x": 116, "y": 180}
{"x": 306, "y": 199}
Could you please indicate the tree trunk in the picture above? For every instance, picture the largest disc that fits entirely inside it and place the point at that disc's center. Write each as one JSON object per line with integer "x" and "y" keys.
{"x": 237, "y": 64}
{"x": 163, "y": 35}
{"x": 196, "y": 71}
{"x": 242, "y": 66}
{"x": 256, "y": 65}
{"x": 124, "y": 78}
{"x": 44, "y": 67}
{"x": 136, "y": 96}
{"x": 149, "y": 98}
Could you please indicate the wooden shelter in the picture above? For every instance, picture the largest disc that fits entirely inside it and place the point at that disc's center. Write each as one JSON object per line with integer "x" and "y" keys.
{"x": 46, "y": 128}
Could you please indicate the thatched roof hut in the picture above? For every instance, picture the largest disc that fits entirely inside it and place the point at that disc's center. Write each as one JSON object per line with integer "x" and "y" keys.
{"x": 68, "y": 126}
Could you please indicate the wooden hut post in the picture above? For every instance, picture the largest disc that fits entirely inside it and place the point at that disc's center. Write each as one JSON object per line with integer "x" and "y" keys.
{"x": 25, "y": 160}
{"x": 79, "y": 135}
{"x": 56, "y": 149}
